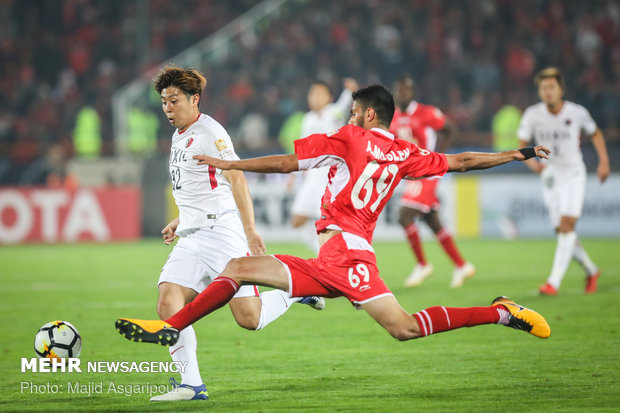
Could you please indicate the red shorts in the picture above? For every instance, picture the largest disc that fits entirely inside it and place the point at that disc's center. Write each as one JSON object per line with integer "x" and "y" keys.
{"x": 341, "y": 269}
{"x": 421, "y": 195}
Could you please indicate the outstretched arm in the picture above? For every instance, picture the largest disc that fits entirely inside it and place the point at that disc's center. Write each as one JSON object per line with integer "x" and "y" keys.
{"x": 468, "y": 161}
{"x": 598, "y": 140}
{"x": 241, "y": 193}
{"x": 264, "y": 164}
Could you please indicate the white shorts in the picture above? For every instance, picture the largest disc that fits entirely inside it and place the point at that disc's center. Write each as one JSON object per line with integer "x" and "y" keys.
{"x": 307, "y": 200}
{"x": 563, "y": 191}
{"x": 201, "y": 256}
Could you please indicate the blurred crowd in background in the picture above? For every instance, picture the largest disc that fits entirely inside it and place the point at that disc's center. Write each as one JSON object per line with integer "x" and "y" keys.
{"x": 62, "y": 60}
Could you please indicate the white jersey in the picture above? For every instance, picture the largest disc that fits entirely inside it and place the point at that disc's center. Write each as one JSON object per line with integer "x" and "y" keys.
{"x": 560, "y": 132}
{"x": 307, "y": 200}
{"x": 200, "y": 191}
{"x": 331, "y": 117}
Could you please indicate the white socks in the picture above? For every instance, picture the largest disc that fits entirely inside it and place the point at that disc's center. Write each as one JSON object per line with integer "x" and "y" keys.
{"x": 274, "y": 304}
{"x": 563, "y": 254}
{"x": 185, "y": 351}
{"x": 581, "y": 256}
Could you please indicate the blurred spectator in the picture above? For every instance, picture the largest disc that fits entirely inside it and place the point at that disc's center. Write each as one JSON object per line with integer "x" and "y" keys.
{"x": 291, "y": 130}
{"x": 142, "y": 125}
{"x": 505, "y": 126}
{"x": 87, "y": 133}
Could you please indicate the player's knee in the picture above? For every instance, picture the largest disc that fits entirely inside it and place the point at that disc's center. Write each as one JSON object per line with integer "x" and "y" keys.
{"x": 249, "y": 321}
{"x": 165, "y": 308}
{"x": 405, "y": 219}
{"x": 235, "y": 267}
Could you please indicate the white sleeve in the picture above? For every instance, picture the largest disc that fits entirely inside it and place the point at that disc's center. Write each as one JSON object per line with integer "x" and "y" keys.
{"x": 223, "y": 144}
{"x": 587, "y": 123}
{"x": 342, "y": 106}
{"x": 525, "y": 131}
{"x": 305, "y": 127}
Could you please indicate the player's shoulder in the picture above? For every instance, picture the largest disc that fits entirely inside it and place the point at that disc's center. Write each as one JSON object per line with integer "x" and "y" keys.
{"x": 425, "y": 107}
{"x": 206, "y": 124}
{"x": 535, "y": 109}
{"x": 346, "y": 131}
{"x": 575, "y": 107}
{"x": 429, "y": 111}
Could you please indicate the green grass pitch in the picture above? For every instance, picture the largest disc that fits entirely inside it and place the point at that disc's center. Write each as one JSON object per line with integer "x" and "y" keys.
{"x": 334, "y": 360}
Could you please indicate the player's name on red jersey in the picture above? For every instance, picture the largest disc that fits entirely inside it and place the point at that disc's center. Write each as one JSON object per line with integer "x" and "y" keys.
{"x": 391, "y": 156}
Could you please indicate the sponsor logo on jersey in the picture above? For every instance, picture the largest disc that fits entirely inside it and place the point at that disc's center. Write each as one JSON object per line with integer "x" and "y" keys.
{"x": 189, "y": 142}
{"x": 221, "y": 144}
{"x": 568, "y": 122}
{"x": 177, "y": 156}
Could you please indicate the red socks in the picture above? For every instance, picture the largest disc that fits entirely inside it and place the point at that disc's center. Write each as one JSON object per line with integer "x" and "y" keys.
{"x": 414, "y": 241}
{"x": 444, "y": 238}
{"x": 216, "y": 295}
{"x": 437, "y": 319}
{"x": 449, "y": 247}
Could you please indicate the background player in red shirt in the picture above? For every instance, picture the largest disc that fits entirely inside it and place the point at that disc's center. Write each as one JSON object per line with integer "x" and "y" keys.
{"x": 418, "y": 123}
{"x": 366, "y": 163}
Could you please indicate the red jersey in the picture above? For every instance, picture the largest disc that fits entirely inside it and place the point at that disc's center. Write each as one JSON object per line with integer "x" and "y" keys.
{"x": 418, "y": 124}
{"x": 366, "y": 166}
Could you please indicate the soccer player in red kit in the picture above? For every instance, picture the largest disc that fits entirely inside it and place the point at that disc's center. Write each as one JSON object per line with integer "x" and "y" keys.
{"x": 366, "y": 163}
{"x": 418, "y": 123}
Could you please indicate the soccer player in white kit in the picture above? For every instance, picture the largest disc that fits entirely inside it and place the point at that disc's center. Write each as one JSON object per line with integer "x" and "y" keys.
{"x": 324, "y": 116}
{"x": 558, "y": 124}
{"x": 215, "y": 225}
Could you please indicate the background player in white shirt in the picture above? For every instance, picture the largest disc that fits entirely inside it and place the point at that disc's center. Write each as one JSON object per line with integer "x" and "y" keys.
{"x": 215, "y": 224}
{"x": 324, "y": 116}
{"x": 558, "y": 124}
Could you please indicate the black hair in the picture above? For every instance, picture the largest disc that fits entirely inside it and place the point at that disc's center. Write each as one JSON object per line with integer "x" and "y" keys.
{"x": 189, "y": 81}
{"x": 378, "y": 98}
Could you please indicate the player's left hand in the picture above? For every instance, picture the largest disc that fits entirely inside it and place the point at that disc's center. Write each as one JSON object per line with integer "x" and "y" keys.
{"x": 208, "y": 160}
{"x": 542, "y": 152}
{"x": 255, "y": 242}
{"x": 602, "y": 171}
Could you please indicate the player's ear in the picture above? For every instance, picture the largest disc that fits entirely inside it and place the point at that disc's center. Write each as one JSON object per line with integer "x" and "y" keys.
{"x": 370, "y": 114}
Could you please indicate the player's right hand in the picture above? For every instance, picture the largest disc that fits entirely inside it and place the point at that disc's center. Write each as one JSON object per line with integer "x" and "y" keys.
{"x": 169, "y": 231}
{"x": 256, "y": 243}
{"x": 350, "y": 84}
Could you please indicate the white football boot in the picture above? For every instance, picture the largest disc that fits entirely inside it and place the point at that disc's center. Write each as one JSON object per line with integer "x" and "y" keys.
{"x": 182, "y": 392}
{"x": 419, "y": 274}
{"x": 461, "y": 273}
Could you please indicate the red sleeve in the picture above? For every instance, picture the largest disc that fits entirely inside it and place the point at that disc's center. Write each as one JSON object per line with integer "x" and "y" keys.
{"x": 435, "y": 118}
{"x": 316, "y": 150}
{"x": 423, "y": 163}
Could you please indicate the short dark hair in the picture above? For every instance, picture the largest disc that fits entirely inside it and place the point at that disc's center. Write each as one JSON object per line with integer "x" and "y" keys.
{"x": 323, "y": 83}
{"x": 549, "y": 73}
{"x": 189, "y": 81}
{"x": 378, "y": 98}
{"x": 406, "y": 78}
